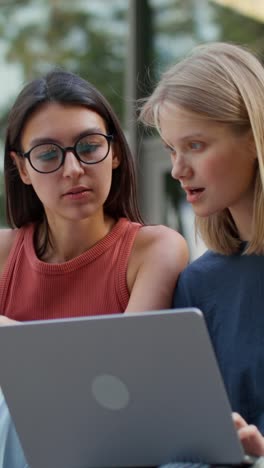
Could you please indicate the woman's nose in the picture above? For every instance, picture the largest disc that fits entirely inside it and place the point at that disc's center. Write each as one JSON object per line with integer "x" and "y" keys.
{"x": 72, "y": 166}
{"x": 180, "y": 168}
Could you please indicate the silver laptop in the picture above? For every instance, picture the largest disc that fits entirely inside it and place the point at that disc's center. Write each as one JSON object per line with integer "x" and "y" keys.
{"x": 117, "y": 391}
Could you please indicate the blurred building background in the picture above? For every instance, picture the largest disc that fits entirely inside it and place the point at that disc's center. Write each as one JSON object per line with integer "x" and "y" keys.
{"x": 122, "y": 46}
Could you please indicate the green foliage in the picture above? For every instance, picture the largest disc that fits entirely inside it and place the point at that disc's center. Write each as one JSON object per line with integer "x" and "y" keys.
{"x": 41, "y": 34}
{"x": 56, "y": 33}
{"x": 90, "y": 39}
{"x": 240, "y": 29}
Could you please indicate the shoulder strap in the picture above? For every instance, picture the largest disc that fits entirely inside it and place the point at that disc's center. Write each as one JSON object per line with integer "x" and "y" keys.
{"x": 6, "y": 277}
{"x": 123, "y": 257}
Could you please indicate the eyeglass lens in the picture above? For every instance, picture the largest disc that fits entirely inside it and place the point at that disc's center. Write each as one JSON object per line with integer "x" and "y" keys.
{"x": 90, "y": 149}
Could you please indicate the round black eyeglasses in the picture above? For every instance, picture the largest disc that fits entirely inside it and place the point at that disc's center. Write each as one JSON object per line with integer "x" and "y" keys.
{"x": 49, "y": 157}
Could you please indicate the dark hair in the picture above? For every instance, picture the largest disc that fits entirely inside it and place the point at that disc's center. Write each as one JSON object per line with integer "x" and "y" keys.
{"x": 60, "y": 86}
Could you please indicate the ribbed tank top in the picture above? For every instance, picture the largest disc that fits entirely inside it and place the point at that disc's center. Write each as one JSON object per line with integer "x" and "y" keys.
{"x": 94, "y": 283}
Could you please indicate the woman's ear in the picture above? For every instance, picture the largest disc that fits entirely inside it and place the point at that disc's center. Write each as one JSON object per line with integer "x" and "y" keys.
{"x": 20, "y": 163}
{"x": 115, "y": 156}
{"x": 115, "y": 161}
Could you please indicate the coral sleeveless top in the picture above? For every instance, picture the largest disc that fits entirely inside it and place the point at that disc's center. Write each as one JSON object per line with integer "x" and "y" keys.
{"x": 93, "y": 283}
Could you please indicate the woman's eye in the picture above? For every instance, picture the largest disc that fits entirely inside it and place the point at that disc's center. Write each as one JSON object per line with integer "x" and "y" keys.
{"x": 87, "y": 148}
{"x": 48, "y": 155}
{"x": 196, "y": 145}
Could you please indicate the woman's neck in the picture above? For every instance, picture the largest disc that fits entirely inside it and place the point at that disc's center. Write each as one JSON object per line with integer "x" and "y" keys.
{"x": 243, "y": 217}
{"x": 69, "y": 239}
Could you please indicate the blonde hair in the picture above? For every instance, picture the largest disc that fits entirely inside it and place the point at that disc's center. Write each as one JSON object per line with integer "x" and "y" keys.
{"x": 224, "y": 83}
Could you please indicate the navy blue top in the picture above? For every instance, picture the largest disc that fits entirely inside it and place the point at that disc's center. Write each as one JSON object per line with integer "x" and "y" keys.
{"x": 229, "y": 290}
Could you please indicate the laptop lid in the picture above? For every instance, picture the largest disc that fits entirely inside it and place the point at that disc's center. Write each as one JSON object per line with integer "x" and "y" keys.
{"x": 117, "y": 391}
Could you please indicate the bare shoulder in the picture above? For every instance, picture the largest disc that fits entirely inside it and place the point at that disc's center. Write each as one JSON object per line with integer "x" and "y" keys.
{"x": 162, "y": 244}
{"x": 158, "y": 256}
{"x": 7, "y": 237}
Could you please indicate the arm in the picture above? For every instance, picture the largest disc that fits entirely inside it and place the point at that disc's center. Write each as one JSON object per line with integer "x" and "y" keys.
{"x": 158, "y": 256}
{"x": 251, "y": 438}
{"x": 7, "y": 237}
{"x": 6, "y": 321}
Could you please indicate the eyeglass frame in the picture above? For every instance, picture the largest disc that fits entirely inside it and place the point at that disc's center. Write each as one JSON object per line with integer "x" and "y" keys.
{"x": 64, "y": 149}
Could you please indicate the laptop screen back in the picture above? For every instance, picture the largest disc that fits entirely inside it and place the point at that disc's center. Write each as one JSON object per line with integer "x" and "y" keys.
{"x": 114, "y": 391}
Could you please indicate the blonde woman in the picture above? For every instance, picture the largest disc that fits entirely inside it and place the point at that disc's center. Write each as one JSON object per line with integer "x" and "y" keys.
{"x": 209, "y": 111}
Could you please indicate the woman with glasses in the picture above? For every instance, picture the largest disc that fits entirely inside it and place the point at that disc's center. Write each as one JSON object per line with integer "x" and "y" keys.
{"x": 77, "y": 245}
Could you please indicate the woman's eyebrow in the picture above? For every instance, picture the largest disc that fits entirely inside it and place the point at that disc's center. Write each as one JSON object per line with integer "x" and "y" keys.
{"x": 91, "y": 130}
{"x": 189, "y": 136}
{"x": 43, "y": 140}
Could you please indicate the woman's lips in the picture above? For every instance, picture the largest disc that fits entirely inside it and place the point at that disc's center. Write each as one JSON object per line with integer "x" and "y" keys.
{"x": 193, "y": 194}
{"x": 77, "y": 193}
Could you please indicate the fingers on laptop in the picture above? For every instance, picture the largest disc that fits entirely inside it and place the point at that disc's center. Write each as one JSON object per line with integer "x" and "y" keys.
{"x": 252, "y": 440}
{"x": 239, "y": 421}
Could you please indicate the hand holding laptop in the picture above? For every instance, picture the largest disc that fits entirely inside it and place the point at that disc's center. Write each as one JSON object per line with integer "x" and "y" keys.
{"x": 251, "y": 438}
